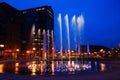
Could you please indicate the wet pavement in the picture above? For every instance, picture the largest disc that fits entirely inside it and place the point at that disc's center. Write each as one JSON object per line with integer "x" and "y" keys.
{"x": 112, "y": 74}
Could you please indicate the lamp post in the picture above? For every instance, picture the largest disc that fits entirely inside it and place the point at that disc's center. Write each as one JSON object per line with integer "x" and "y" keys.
{"x": 2, "y": 47}
{"x": 17, "y": 50}
{"x": 34, "y": 49}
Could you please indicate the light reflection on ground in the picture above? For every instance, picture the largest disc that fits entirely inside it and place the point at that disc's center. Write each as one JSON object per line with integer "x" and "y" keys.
{"x": 53, "y": 67}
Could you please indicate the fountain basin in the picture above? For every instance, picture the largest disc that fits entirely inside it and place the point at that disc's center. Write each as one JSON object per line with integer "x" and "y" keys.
{"x": 53, "y": 67}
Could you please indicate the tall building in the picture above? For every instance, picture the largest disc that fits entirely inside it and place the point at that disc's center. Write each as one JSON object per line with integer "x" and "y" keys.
{"x": 26, "y": 31}
{"x": 41, "y": 19}
{"x": 11, "y": 22}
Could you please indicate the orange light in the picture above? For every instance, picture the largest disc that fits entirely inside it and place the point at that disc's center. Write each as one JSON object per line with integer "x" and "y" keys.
{"x": 41, "y": 49}
{"x": 17, "y": 50}
{"x": 28, "y": 51}
{"x": 72, "y": 51}
{"x": 52, "y": 48}
{"x": 34, "y": 48}
{"x": 8, "y": 50}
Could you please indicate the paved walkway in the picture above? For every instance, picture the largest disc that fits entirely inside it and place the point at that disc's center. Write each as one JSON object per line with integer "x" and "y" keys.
{"x": 112, "y": 74}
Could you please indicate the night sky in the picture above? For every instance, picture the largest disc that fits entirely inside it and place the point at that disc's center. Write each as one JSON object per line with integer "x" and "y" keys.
{"x": 101, "y": 20}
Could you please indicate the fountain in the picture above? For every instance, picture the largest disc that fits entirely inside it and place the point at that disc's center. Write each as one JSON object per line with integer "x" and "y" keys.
{"x": 53, "y": 67}
{"x": 60, "y": 25}
{"x": 74, "y": 24}
{"x": 53, "y": 45}
{"x": 44, "y": 45}
{"x": 48, "y": 66}
{"x": 88, "y": 48}
{"x": 38, "y": 42}
{"x": 32, "y": 36}
{"x": 68, "y": 34}
{"x": 77, "y": 24}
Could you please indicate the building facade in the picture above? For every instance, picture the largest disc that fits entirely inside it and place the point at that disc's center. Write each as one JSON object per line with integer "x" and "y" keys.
{"x": 29, "y": 32}
{"x": 11, "y": 22}
{"x": 39, "y": 28}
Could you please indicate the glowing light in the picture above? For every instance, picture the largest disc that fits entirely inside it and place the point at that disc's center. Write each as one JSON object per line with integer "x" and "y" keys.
{"x": 28, "y": 51}
{"x": 34, "y": 48}
{"x": 101, "y": 50}
{"x": 41, "y": 67}
{"x": 45, "y": 55}
{"x": 16, "y": 67}
{"x": 103, "y": 67}
{"x": 41, "y": 49}
{"x": 1, "y": 68}
{"x": 17, "y": 50}
{"x": 33, "y": 67}
{"x": 1, "y": 45}
{"x": 72, "y": 51}
{"x": 52, "y": 48}
{"x": 16, "y": 64}
{"x": 53, "y": 67}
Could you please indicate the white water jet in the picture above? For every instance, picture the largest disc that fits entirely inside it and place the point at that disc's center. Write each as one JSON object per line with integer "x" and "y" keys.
{"x": 80, "y": 21}
{"x": 53, "y": 47}
{"x": 80, "y": 24}
{"x": 32, "y": 35}
{"x": 31, "y": 40}
{"x": 88, "y": 47}
{"x": 48, "y": 41}
{"x": 39, "y": 32}
{"x": 33, "y": 29}
{"x": 74, "y": 25}
{"x": 78, "y": 47}
{"x": 74, "y": 20}
{"x": 60, "y": 25}
{"x": 44, "y": 45}
{"x": 68, "y": 33}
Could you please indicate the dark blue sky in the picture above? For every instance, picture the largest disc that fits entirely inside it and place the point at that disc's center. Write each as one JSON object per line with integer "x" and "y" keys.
{"x": 101, "y": 17}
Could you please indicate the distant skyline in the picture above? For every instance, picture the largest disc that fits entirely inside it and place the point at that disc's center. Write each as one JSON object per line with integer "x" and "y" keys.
{"x": 101, "y": 20}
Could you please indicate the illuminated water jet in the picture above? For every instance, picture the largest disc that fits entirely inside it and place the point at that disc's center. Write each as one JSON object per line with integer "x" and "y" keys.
{"x": 60, "y": 25}
{"x": 44, "y": 45}
{"x": 53, "y": 43}
{"x": 68, "y": 34}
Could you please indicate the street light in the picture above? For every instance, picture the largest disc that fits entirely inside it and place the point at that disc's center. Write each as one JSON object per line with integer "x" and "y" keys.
{"x": 34, "y": 48}
{"x": 1, "y": 48}
{"x": 1, "y": 45}
{"x": 17, "y": 50}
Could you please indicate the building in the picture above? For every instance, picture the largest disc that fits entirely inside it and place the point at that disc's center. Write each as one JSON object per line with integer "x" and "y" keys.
{"x": 11, "y": 22}
{"x": 40, "y": 26}
{"x": 27, "y": 31}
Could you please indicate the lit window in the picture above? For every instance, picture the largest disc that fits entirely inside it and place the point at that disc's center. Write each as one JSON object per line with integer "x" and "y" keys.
{"x": 43, "y": 8}
{"x": 38, "y": 9}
